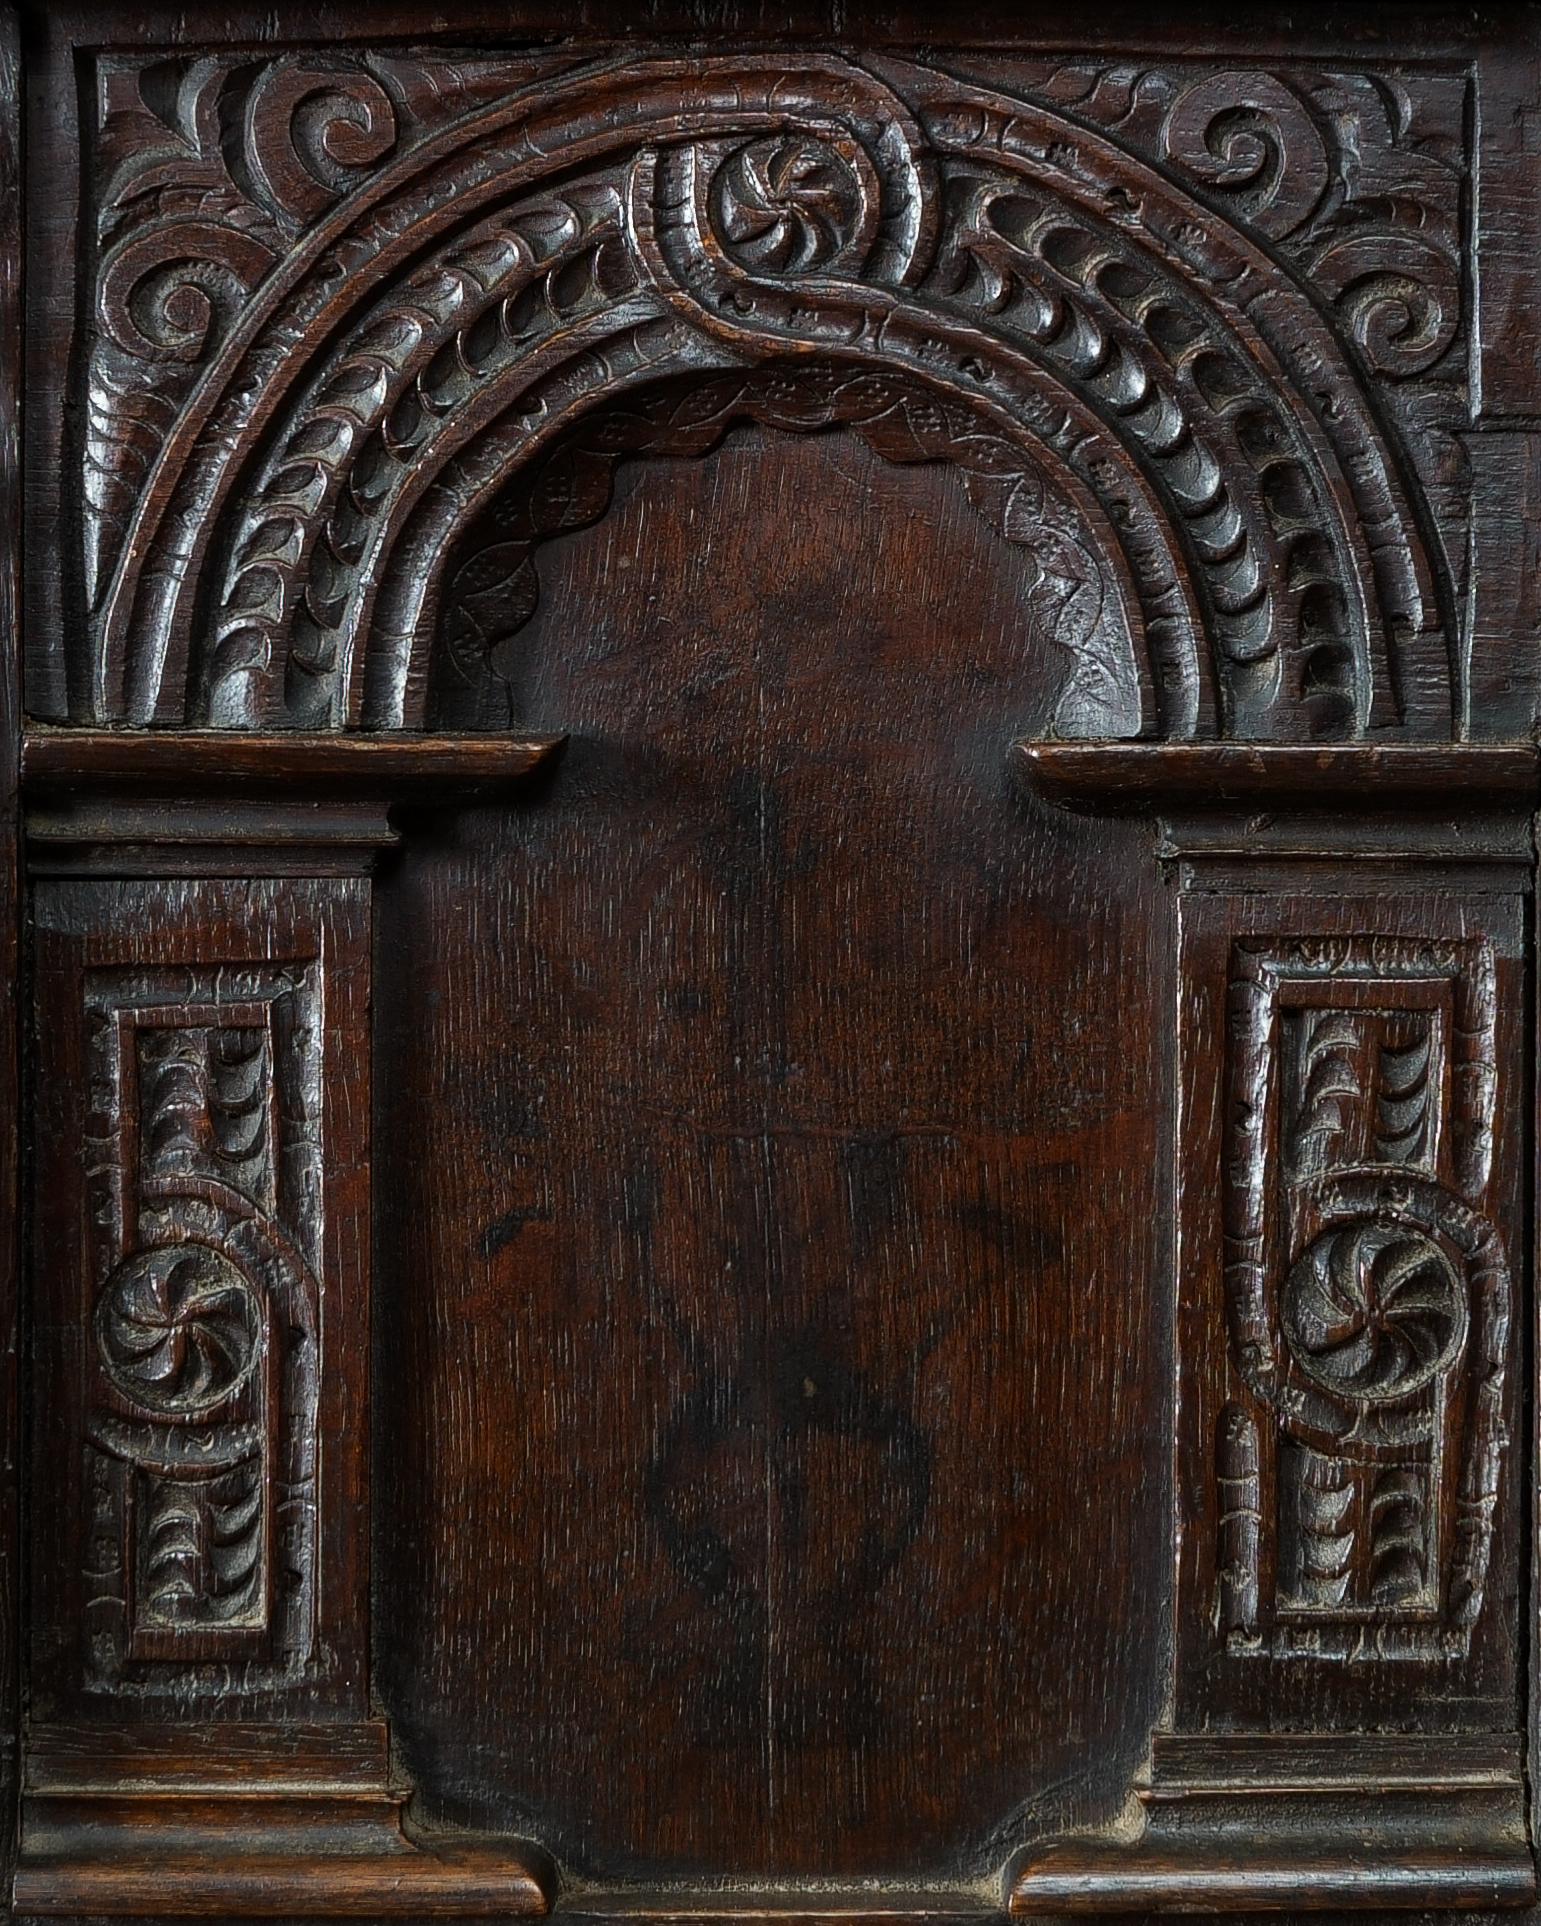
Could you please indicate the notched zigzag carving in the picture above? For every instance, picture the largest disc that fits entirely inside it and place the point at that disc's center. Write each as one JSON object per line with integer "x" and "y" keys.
{"x": 1368, "y": 1298}
{"x": 341, "y": 303}
{"x": 1073, "y": 604}
{"x": 202, "y": 1383}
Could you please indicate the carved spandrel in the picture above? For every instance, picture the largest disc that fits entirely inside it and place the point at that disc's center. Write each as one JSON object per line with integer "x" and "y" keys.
{"x": 1193, "y": 305}
{"x": 1368, "y": 1299}
{"x": 1359, "y": 180}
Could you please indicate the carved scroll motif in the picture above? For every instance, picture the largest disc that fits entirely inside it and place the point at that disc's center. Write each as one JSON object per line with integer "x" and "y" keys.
{"x": 202, "y": 1366}
{"x": 341, "y": 303}
{"x": 1359, "y": 181}
{"x": 1369, "y": 1299}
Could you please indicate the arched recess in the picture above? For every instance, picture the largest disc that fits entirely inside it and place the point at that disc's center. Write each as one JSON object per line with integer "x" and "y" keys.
{"x": 459, "y": 307}
{"x": 1084, "y": 600}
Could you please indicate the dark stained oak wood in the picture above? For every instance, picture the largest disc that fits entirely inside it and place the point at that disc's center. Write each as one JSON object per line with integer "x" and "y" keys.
{"x": 772, "y": 775}
{"x": 72, "y": 763}
{"x": 11, "y": 913}
{"x": 729, "y": 1154}
{"x": 1220, "y": 776}
{"x": 460, "y": 1884}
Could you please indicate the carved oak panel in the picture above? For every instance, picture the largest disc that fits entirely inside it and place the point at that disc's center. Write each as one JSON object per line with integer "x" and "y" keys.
{"x": 199, "y": 1041}
{"x": 775, "y": 1048}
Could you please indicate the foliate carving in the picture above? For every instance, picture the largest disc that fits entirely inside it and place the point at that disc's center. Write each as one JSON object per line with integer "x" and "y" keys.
{"x": 309, "y": 532}
{"x": 208, "y": 169}
{"x": 1256, "y": 527}
{"x": 202, "y": 1399}
{"x": 340, "y": 305}
{"x": 1368, "y": 1298}
{"x": 1359, "y": 181}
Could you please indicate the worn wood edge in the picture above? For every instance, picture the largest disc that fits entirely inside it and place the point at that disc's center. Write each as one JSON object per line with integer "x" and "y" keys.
{"x": 1121, "y": 777}
{"x": 809, "y": 1904}
{"x": 257, "y": 1821}
{"x": 1261, "y": 1822}
{"x": 1230, "y": 1765}
{"x": 12, "y": 392}
{"x": 216, "y": 764}
{"x": 1263, "y": 1876}
{"x": 81, "y": 1758}
{"x": 11, "y": 904}
{"x": 413, "y": 1882}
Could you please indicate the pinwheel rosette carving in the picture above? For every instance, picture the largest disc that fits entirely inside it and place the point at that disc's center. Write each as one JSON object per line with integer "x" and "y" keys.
{"x": 1396, "y": 1285}
{"x": 208, "y": 1316}
{"x": 827, "y": 188}
{"x": 789, "y": 204}
{"x": 179, "y": 1330}
{"x": 1374, "y": 1311}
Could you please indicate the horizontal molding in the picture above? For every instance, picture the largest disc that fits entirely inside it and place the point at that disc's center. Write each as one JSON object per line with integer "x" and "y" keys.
{"x": 153, "y": 1883}
{"x": 262, "y": 1821}
{"x": 1268, "y": 1876}
{"x": 61, "y": 1758}
{"x": 1264, "y": 1823}
{"x": 62, "y": 764}
{"x": 1122, "y": 777}
{"x": 118, "y": 802}
{"x": 805, "y": 1903}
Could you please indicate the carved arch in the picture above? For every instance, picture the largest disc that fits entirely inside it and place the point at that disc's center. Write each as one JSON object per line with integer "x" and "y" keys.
{"x": 1020, "y": 265}
{"x": 399, "y": 577}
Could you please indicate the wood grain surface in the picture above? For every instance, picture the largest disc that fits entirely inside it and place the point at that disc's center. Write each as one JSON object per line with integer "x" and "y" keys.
{"x": 778, "y": 776}
{"x": 750, "y": 1178}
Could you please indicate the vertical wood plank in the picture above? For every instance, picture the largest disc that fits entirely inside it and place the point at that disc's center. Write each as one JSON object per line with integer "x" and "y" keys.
{"x": 10, "y": 897}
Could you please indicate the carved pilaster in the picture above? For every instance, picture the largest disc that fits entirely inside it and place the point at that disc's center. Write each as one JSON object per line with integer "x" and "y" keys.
{"x": 1348, "y": 1159}
{"x": 201, "y": 1733}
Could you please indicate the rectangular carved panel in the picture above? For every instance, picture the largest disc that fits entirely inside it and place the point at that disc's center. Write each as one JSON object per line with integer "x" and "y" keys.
{"x": 201, "y": 1460}
{"x": 1370, "y": 1303}
{"x": 1350, "y": 1391}
{"x": 199, "y": 1284}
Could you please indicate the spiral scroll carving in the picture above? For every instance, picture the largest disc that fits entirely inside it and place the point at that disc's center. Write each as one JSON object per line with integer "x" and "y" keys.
{"x": 267, "y": 430}
{"x": 1374, "y": 1311}
{"x": 1251, "y": 140}
{"x": 179, "y": 1330}
{"x": 310, "y": 130}
{"x": 1401, "y": 302}
{"x": 170, "y": 294}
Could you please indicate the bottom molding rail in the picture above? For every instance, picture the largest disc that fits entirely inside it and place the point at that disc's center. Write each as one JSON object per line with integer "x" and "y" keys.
{"x": 243, "y": 1821}
{"x": 1257, "y": 1823}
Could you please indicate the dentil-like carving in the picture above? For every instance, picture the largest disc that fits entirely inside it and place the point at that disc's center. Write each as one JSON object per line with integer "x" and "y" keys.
{"x": 1075, "y": 604}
